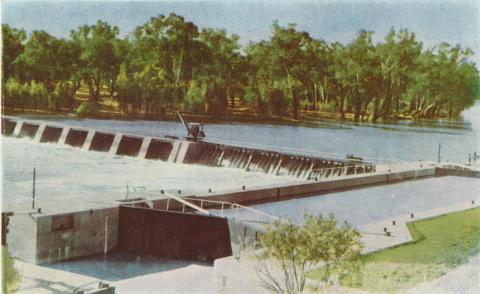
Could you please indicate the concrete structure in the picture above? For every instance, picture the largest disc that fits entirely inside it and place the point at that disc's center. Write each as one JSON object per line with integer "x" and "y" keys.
{"x": 183, "y": 151}
{"x": 44, "y": 238}
{"x": 83, "y": 227}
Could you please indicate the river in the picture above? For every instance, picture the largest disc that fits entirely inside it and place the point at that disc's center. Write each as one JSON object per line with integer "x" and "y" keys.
{"x": 402, "y": 141}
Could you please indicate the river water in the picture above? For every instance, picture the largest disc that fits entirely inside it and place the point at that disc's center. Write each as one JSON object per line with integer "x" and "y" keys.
{"x": 402, "y": 141}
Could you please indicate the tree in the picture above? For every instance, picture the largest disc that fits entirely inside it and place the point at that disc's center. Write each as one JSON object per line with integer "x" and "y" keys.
{"x": 12, "y": 41}
{"x": 38, "y": 60}
{"x": 224, "y": 63}
{"x": 98, "y": 54}
{"x": 296, "y": 249}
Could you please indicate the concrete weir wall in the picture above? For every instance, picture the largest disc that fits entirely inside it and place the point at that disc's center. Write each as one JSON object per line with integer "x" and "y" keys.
{"x": 182, "y": 151}
{"x": 101, "y": 142}
{"x": 76, "y": 138}
{"x": 28, "y": 130}
{"x": 51, "y": 135}
{"x": 129, "y": 146}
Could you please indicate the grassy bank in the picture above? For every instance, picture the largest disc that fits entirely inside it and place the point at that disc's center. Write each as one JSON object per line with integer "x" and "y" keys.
{"x": 440, "y": 244}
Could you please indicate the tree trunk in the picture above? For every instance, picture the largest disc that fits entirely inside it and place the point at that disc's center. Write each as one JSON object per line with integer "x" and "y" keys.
{"x": 387, "y": 102}
{"x": 112, "y": 87}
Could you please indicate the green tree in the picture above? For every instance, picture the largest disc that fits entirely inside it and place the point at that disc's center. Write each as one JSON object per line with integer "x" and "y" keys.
{"x": 38, "y": 60}
{"x": 296, "y": 249}
{"x": 224, "y": 63}
{"x": 98, "y": 59}
{"x": 12, "y": 47}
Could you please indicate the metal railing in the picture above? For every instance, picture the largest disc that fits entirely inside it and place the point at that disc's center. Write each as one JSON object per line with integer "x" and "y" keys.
{"x": 224, "y": 205}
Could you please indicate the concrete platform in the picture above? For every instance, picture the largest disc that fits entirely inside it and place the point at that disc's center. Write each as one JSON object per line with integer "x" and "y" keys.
{"x": 38, "y": 279}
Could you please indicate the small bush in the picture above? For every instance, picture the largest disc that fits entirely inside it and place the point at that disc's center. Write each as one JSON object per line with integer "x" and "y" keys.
{"x": 10, "y": 276}
{"x": 85, "y": 109}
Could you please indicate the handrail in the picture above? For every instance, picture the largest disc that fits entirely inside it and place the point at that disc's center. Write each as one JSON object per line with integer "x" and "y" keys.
{"x": 234, "y": 205}
{"x": 191, "y": 205}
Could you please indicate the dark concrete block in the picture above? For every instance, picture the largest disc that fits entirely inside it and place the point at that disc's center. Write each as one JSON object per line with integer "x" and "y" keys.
{"x": 102, "y": 142}
{"x": 76, "y": 138}
{"x": 129, "y": 146}
{"x": 159, "y": 150}
{"x": 172, "y": 234}
{"x": 8, "y": 126}
{"x": 28, "y": 130}
{"x": 51, "y": 134}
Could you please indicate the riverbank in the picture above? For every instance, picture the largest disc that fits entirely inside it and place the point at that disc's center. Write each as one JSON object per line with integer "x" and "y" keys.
{"x": 309, "y": 119}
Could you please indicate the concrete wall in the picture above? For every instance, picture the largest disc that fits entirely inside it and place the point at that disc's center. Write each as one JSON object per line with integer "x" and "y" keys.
{"x": 8, "y": 126}
{"x": 21, "y": 241}
{"x": 102, "y": 141}
{"x": 85, "y": 237}
{"x": 173, "y": 234}
{"x": 76, "y": 137}
{"x": 28, "y": 130}
{"x": 281, "y": 192}
{"x": 129, "y": 146}
{"x": 51, "y": 134}
{"x": 159, "y": 149}
{"x": 456, "y": 172}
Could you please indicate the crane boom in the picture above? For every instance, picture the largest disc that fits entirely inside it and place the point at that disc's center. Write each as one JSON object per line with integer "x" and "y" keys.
{"x": 184, "y": 123}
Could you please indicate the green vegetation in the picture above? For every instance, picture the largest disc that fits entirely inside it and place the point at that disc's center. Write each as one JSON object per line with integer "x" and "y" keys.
{"x": 10, "y": 276}
{"x": 168, "y": 64}
{"x": 295, "y": 249}
{"x": 440, "y": 244}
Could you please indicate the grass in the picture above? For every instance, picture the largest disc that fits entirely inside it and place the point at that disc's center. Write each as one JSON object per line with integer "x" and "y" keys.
{"x": 9, "y": 275}
{"x": 440, "y": 244}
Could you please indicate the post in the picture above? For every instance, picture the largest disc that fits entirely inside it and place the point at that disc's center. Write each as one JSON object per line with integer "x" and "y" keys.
{"x": 33, "y": 190}
{"x": 105, "y": 243}
{"x": 439, "y": 150}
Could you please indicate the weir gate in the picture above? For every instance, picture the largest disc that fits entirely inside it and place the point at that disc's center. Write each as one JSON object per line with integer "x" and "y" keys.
{"x": 183, "y": 151}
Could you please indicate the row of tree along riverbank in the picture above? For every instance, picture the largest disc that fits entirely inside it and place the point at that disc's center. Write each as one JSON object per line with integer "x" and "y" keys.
{"x": 168, "y": 64}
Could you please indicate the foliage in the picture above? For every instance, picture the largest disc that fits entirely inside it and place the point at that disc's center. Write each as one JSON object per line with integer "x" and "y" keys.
{"x": 167, "y": 60}
{"x": 86, "y": 108}
{"x": 295, "y": 250}
{"x": 10, "y": 276}
{"x": 440, "y": 243}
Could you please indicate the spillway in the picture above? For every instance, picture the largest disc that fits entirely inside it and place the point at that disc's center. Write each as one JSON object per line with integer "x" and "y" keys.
{"x": 182, "y": 151}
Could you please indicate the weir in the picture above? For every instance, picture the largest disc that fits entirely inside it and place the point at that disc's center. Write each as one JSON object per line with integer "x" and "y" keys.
{"x": 115, "y": 143}
{"x": 51, "y": 135}
{"x": 182, "y": 151}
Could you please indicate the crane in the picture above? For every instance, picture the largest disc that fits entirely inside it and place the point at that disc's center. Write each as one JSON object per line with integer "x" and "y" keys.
{"x": 194, "y": 130}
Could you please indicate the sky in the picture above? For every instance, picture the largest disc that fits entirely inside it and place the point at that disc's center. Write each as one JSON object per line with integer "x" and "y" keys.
{"x": 455, "y": 22}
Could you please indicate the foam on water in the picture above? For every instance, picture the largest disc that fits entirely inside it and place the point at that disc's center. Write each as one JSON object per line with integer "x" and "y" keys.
{"x": 64, "y": 172}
